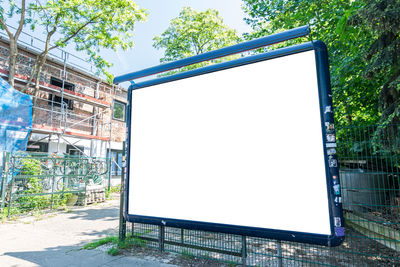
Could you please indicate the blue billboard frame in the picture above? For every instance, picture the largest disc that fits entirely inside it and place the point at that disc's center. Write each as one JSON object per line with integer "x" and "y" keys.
{"x": 329, "y": 142}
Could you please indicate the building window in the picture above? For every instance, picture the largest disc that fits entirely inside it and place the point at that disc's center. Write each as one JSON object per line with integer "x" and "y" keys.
{"x": 116, "y": 161}
{"x": 55, "y": 99}
{"x": 37, "y": 147}
{"x": 75, "y": 150}
{"x": 119, "y": 111}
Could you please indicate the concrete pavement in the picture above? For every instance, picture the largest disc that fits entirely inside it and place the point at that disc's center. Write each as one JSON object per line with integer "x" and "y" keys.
{"x": 56, "y": 239}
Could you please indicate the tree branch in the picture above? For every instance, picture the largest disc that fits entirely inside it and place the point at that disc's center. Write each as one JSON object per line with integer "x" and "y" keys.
{"x": 92, "y": 20}
{"x": 21, "y": 22}
{"x": 33, "y": 74}
{"x": 10, "y": 35}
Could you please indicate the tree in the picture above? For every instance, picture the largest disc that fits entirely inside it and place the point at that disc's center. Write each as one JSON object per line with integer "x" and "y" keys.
{"x": 383, "y": 55}
{"x": 356, "y": 99}
{"x": 89, "y": 24}
{"x": 14, "y": 9}
{"x": 363, "y": 39}
{"x": 382, "y": 17}
{"x": 193, "y": 33}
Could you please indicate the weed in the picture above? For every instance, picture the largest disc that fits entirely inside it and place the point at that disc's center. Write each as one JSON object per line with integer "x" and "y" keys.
{"x": 52, "y": 215}
{"x": 113, "y": 251}
{"x": 129, "y": 242}
{"x": 139, "y": 242}
{"x": 187, "y": 254}
{"x": 114, "y": 189}
{"x": 38, "y": 213}
{"x": 13, "y": 211}
{"x": 232, "y": 263}
{"x": 100, "y": 242}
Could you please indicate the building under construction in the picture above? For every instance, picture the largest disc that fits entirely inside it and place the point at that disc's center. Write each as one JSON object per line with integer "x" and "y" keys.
{"x": 76, "y": 112}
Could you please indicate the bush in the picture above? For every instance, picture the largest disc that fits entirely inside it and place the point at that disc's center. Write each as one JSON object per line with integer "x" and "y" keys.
{"x": 34, "y": 196}
{"x": 114, "y": 189}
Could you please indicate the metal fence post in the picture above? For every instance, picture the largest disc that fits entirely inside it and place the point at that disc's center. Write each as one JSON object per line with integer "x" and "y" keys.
{"x": 244, "y": 250}
{"x": 279, "y": 252}
{"x": 110, "y": 166}
{"x": 122, "y": 220}
{"x": 63, "y": 177}
{"x": 161, "y": 237}
{"x": 182, "y": 236}
{"x": 4, "y": 176}
{"x": 52, "y": 185}
{"x": 12, "y": 185}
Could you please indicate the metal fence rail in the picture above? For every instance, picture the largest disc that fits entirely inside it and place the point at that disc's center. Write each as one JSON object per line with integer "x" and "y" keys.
{"x": 369, "y": 162}
{"x": 32, "y": 181}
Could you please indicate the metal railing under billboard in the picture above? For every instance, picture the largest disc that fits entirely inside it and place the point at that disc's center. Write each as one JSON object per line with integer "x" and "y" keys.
{"x": 371, "y": 201}
{"x": 32, "y": 181}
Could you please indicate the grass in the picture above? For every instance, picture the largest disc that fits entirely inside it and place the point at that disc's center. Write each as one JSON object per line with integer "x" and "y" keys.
{"x": 113, "y": 251}
{"x": 117, "y": 245}
{"x": 13, "y": 214}
{"x": 38, "y": 214}
{"x": 100, "y": 242}
{"x": 114, "y": 189}
{"x": 187, "y": 254}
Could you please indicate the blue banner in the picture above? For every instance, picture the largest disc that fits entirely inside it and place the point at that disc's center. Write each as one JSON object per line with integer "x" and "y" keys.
{"x": 15, "y": 119}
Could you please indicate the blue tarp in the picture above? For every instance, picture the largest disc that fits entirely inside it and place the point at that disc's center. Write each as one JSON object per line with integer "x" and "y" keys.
{"x": 15, "y": 119}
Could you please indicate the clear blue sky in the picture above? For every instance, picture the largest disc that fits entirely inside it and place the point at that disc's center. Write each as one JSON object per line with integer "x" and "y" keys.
{"x": 161, "y": 12}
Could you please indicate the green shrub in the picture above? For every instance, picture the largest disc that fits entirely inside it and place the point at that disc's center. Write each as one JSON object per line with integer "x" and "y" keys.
{"x": 114, "y": 189}
{"x": 35, "y": 197}
{"x": 113, "y": 251}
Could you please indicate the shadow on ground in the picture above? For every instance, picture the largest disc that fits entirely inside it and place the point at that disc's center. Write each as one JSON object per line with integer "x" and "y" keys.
{"x": 72, "y": 255}
{"x": 58, "y": 256}
{"x": 104, "y": 213}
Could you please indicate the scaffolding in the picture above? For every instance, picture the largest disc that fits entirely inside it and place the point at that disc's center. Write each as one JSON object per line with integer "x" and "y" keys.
{"x": 54, "y": 115}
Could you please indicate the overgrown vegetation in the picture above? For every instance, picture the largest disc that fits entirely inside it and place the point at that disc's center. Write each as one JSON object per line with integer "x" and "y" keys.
{"x": 31, "y": 191}
{"x": 114, "y": 189}
{"x": 100, "y": 242}
{"x": 363, "y": 40}
{"x": 34, "y": 196}
{"x": 129, "y": 242}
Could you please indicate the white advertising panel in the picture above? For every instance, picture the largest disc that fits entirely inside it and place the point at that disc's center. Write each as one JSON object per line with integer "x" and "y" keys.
{"x": 240, "y": 147}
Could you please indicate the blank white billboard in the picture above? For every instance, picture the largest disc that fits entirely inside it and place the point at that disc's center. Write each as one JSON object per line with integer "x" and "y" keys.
{"x": 241, "y": 146}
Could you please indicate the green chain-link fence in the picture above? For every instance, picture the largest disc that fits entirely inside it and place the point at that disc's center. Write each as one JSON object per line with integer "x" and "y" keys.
{"x": 369, "y": 163}
{"x": 32, "y": 181}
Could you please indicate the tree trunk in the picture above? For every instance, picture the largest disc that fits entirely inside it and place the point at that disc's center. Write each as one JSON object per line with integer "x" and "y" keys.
{"x": 12, "y": 61}
{"x": 37, "y": 84}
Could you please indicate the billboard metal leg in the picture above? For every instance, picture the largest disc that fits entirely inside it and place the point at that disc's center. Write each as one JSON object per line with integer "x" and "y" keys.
{"x": 244, "y": 250}
{"x": 279, "y": 252}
